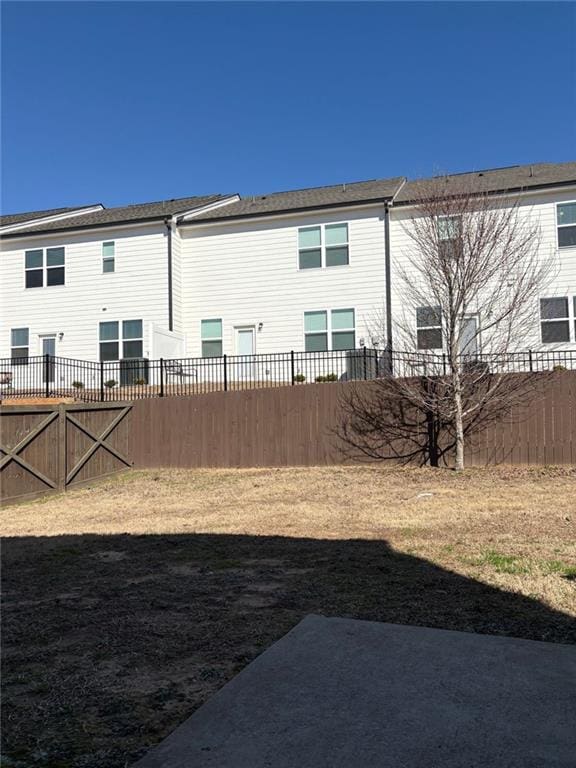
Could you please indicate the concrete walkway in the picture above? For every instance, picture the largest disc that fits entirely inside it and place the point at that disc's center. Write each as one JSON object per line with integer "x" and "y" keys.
{"x": 338, "y": 693}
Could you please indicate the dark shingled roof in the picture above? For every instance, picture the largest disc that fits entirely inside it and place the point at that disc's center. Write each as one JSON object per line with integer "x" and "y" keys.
{"x": 305, "y": 199}
{"x": 511, "y": 179}
{"x": 20, "y": 218}
{"x": 123, "y": 215}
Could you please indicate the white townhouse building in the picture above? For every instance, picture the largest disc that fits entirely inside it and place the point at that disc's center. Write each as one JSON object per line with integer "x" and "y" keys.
{"x": 304, "y": 270}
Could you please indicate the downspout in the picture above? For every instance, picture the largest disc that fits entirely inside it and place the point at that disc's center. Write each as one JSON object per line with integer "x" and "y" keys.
{"x": 388, "y": 269}
{"x": 168, "y": 223}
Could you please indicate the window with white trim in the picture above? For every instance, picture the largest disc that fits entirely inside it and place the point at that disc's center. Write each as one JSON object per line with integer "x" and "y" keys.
{"x": 555, "y": 320}
{"x": 566, "y": 224}
{"x": 334, "y": 329}
{"x": 20, "y": 345}
{"x": 44, "y": 266}
{"x": 325, "y": 245}
{"x": 211, "y": 335}
{"x": 124, "y": 337}
{"x": 428, "y": 328}
{"x": 108, "y": 256}
{"x": 449, "y": 231}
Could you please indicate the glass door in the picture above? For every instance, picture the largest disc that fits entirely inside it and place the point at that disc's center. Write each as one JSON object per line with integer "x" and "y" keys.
{"x": 48, "y": 346}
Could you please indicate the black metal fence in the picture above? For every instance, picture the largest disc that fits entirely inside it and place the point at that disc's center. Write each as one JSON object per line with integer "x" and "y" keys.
{"x": 132, "y": 379}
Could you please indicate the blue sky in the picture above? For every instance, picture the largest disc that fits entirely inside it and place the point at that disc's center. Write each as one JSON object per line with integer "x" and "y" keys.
{"x": 124, "y": 102}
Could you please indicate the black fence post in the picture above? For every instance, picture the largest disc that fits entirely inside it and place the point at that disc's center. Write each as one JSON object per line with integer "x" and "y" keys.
{"x": 376, "y": 364}
{"x": 365, "y": 367}
{"x": 225, "y": 373}
{"x": 161, "y": 377}
{"x": 292, "y": 374}
{"x": 530, "y": 359}
{"x": 101, "y": 381}
{"x": 47, "y": 375}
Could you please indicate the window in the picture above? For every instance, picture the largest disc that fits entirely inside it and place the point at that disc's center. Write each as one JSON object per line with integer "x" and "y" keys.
{"x": 429, "y": 328}
{"x": 315, "y": 331}
{"x": 554, "y": 320}
{"x": 325, "y": 245}
{"x": 336, "y": 325}
{"x": 211, "y": 333}
{"x": 449, "y": 228}
{"x": 44, "y": 266}
{"x": 343, "y": 334}
{"x": 20, "y": 345}
{"x": 566, "y": 221}
{"x": 130, "y": 343}
{"x": 108, "y": 254}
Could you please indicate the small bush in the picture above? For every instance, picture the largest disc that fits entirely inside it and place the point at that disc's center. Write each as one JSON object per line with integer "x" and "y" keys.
{"x": 328, "y": 377}
{"x": 319, "y": 379}
{"x": 558, "y": 368}
{"x": 299, "y": 377}
{"x": 78, "y": 384}
{"x": 140, "y": 382}
{"x": 111, "y": 383}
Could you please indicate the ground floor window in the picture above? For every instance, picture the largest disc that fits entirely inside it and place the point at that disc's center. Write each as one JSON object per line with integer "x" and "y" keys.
{"x": 429, "y": 328}
{"x": 20, "y": 345}
{"x": 211, "y": 334}
{"x": 329, "y": 329}
{"x": 121, "y": 340}
{"x": 555, "y": 319}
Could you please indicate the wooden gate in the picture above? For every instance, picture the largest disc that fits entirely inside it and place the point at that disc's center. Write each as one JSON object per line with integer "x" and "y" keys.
{"x": 45, "y": 449}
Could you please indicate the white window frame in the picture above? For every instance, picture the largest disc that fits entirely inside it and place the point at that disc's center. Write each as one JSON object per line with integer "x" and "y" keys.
{"x": 120, "y": 340}
{"x": 559, "y": 226}
{"x": 429, "y": 328}
{"x": 570, "y": 318}
{"x": 108, "y": 259}
{"x": 323, "y": 247}
{"x": 329, "y": 330}
{"x": 21, "y": 360}
{"x": 213, "y": 338}
{"x": 45, "y": 268}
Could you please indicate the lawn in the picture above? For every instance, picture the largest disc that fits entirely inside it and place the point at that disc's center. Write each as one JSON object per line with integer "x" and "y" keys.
{"x": 128, "y": 603}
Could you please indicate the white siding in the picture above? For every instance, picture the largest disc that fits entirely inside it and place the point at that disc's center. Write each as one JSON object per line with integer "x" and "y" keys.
{"x": 247, "y": 274}
{"x": 137, "y": 289}
{"x": 540, "y": 207}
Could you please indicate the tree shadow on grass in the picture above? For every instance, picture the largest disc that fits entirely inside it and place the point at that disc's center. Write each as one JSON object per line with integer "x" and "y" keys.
{"x": 112, "y": 641}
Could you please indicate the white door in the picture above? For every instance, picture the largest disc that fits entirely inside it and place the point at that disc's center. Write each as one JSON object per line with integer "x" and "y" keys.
{"x": 48, "y": 347}
{"x": 245, "y": 349}
{"x": 469, "y": 335}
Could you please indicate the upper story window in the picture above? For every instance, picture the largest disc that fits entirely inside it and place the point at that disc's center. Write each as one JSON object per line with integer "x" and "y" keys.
{"x": 116, "y": 337}
{"x": 19, "y": 342}
{"x": 108, "y": 256}
{"x": 44, "y": 266}
{"x": 323, "y": 246}
{"x": 336, "y": 327}
{"x": 211, "y": 333}
{"x": 566, "y": 222}
{"x": 449, "y": 230}
{"x": 429, "y": 328}
{"x": 555, "y": 320}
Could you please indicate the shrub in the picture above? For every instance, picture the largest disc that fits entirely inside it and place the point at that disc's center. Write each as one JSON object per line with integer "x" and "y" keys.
{"x": 140, "y": 382}
{"x": 332, "y": 377}
{"x": 319, "y": 379}
{"x": 78, "y": 384}
{"x": 111, "y": 383}
{"x": 299, "y": 377}
{"x": 559, "y": 368}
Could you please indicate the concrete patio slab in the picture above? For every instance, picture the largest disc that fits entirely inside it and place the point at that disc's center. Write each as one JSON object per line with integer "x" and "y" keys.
{"x": 339, "y": 693}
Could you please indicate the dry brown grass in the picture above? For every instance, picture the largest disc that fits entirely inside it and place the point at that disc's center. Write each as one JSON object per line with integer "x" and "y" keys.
{"x": 129, "y": 602}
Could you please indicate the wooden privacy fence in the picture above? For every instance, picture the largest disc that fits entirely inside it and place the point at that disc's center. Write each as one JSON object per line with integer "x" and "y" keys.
{"x": 298, "y": 426}
{"x": 51, "y": 448}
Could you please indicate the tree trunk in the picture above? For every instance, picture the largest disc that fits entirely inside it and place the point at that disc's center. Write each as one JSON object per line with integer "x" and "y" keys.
{"x": 458, "y": 420}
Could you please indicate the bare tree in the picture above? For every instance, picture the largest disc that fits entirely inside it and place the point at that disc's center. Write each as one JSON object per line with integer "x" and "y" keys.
{"x": 472, "y": 272}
